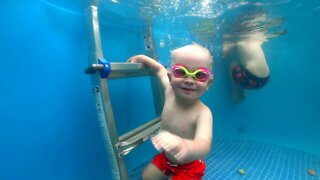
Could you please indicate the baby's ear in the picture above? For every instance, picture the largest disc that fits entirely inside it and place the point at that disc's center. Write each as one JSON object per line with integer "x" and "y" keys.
{"x": 210, "y": 81}
{"x": 169, "y": 76}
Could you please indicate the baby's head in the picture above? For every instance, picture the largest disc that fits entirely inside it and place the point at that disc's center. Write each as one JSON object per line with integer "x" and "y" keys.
{"x": 190, "y": 76}
{"x": 193, "y": 54}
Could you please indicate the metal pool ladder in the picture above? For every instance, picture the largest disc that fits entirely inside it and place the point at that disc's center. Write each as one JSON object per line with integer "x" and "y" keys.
{"x": 101, "y": 72}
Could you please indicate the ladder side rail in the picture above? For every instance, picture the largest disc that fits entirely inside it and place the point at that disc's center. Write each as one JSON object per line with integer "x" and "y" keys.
{"x": 157, "y": 88}
{"x": 102, "y": 97}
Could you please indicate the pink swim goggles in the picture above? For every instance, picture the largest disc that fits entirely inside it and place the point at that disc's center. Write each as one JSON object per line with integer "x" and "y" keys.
{"x": 200, "y": 74}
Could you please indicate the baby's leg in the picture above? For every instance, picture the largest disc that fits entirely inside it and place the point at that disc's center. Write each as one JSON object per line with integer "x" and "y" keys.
{"x": 151, "y": 172}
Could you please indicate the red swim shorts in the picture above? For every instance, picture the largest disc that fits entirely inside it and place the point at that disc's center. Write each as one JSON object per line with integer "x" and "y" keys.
{"x": 190, "y": 171}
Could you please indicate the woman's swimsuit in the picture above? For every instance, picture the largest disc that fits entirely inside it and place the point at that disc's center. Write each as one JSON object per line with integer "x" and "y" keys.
{"x": 247, "y": 79}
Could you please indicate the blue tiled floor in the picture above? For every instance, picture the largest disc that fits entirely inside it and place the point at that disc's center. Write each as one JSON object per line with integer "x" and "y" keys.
{"x": 258, "y": 160}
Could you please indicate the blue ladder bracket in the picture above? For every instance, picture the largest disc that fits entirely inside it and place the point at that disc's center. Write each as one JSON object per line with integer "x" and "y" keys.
{"x": 104, "y": 73}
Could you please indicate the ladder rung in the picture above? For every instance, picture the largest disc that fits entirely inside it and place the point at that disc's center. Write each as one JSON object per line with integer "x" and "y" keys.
{"x": 137, "y": 136}
{"x": 120, "y": 70}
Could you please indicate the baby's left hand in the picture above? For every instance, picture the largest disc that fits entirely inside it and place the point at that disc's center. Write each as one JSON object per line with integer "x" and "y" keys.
{"x": 170, "y": 143}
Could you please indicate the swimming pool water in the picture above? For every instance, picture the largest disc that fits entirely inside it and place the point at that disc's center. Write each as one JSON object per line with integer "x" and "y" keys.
{"x": 48, "y": 123}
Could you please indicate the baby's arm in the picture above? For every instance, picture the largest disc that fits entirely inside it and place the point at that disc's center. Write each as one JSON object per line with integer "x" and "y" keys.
{"x": 201, "y": 144}
{"x": 187, "y": 150}
{"x": 156, "y": 67}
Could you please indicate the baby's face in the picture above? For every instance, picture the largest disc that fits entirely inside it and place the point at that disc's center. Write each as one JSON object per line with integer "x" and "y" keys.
{"x": 188, "y": 87}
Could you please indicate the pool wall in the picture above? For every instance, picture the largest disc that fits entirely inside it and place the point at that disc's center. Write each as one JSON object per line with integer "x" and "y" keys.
{"x": 48, "y": 123}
